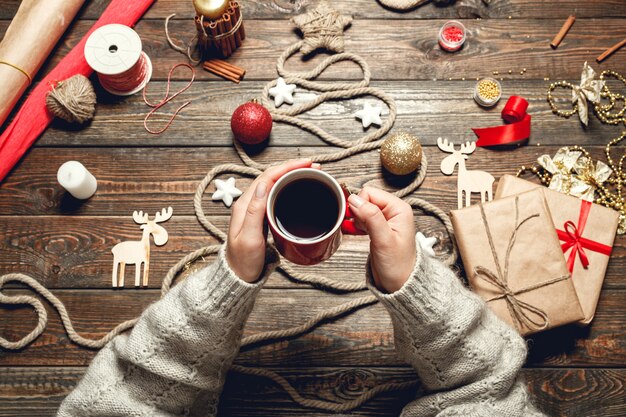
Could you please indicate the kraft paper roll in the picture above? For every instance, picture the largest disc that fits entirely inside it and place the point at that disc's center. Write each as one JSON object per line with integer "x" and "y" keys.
{"x": 27, "y": 43}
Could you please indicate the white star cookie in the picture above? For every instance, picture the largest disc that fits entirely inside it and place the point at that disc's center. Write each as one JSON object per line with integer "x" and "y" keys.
{"x": 369, "y": 114}
{"x": 226, "y": 191}
{"x": 282, "y": 92}
{"x": 426, "y": 243}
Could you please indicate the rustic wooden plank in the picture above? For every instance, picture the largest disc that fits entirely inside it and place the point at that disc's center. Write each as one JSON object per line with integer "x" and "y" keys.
{"x": 38, "y": 392}
{"x": 284, "y": 9}
{"x": 404, "y": 50}
{"x": 75, "y": 251}
{"x": 427, "y": 108}
{"x": 135, "y": 178}
{"x": 361, "y": 339}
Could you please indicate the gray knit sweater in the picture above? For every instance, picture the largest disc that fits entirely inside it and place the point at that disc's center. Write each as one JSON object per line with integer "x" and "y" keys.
{"x": 175, "y": 360}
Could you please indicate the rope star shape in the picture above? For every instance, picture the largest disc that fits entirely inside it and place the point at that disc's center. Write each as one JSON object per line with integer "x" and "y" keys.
{"x": 322, "y": 27}
{"x": 226, "y": 191}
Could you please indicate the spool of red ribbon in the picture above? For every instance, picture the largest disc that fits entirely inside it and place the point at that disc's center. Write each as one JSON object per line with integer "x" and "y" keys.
{"x": 517, "y": 129}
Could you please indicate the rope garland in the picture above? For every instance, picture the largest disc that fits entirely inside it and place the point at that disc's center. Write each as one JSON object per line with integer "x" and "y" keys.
{"x": 371, "y": 141}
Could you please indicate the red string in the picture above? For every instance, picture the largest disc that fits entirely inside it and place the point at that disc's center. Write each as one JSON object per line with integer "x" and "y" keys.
{"x": 128, "y": 80}
{"x": 167, "y": 99}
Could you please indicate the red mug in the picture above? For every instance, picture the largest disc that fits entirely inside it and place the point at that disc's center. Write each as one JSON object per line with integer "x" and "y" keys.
{"x": 310, "y": 251}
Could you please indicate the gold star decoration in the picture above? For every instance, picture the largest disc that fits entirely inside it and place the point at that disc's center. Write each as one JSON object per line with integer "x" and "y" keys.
{"x": 322, "y": 27}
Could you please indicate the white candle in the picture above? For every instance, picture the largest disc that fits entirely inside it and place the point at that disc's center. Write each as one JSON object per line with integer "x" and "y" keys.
{"x": 77, "y": 180}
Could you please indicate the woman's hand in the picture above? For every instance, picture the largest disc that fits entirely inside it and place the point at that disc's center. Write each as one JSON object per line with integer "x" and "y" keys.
{"x": 245, "y": 249}
{"x": 389, "y": 222}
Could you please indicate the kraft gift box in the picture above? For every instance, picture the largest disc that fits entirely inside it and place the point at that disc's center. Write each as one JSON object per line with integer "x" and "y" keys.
{"x": 514, "y": 261}
{"x": 587, "y": 232}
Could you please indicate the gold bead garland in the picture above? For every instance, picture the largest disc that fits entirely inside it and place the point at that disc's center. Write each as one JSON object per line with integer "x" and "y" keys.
{"x": 602, "y": 111}
{"x": 609, "y": 198}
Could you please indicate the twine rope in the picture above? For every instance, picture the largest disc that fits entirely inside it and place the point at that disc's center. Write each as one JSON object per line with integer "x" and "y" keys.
{"x": 185, "y": 50}
{"x": 253, "y": 169}
{"x": 519, "y": 310}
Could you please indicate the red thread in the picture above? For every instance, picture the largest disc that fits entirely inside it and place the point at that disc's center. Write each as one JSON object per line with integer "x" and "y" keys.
{"x": 128, "y": 80}
{"x": 167, "y": 99}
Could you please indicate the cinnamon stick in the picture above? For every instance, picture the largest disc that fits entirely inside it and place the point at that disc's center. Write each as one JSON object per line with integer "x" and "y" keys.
{"x": 609, "y": 51}
{"x": 222, "y": 73}
{"x": 564, "y": 29}
{"x": 209, "y": 66}
{"x": 224, "y": 44}
{"x": 226, "y": 65}
{"x": 233, "y": 19}
{"x": 229, "y": 27}
{"x": 237, "y": 7}
{"x": 213, "y": 31}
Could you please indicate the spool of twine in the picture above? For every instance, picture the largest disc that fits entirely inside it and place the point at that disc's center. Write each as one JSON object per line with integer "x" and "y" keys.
{"x": 73, "y": 100}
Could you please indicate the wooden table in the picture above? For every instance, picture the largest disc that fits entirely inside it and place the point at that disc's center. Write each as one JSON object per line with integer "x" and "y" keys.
{"x": 66, "y": 245}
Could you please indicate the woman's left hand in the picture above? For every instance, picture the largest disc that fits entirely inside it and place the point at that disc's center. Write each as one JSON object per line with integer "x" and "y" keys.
{"x": 245, "y": 247}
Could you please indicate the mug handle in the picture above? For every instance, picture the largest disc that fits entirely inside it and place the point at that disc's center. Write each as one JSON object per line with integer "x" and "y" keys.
{"x": 347, "y": 225}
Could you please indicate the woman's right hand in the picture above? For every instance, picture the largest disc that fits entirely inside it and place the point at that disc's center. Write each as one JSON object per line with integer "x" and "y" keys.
{"x": 389, "y": 223}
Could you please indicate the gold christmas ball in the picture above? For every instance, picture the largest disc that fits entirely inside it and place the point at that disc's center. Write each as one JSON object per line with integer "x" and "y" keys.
{"x": 213, "y": 9}
{"x": 401, "y": 153}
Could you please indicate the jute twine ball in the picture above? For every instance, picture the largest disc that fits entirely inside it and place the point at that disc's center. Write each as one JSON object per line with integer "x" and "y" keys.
{"x": 73, "y": 100}
{"x": 401, "y": 153}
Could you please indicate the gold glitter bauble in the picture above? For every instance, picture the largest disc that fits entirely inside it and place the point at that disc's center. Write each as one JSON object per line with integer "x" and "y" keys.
{"x": 401, "y": 153}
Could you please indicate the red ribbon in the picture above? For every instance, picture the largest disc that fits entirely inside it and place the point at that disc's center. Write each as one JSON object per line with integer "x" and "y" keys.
{"x": 572, "y": 238}
{"x": 517, "y": 129}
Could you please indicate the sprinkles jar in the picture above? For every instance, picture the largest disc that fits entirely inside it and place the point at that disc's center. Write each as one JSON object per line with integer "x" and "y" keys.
{"x": 487, "y": 92}
{"x": 452, "y": 36}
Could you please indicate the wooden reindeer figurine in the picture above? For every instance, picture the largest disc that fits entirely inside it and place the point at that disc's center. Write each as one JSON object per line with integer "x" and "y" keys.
{"x": 467, "y": 181}
{"x": 138, "y": 252}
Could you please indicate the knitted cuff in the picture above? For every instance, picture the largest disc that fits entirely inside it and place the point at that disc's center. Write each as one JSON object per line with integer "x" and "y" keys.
{"x": 228, "y": 294}
{"x": 422, "y": 298}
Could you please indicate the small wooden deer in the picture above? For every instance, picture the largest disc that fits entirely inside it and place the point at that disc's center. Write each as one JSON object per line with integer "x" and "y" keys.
{"x": 467, "y": 181}
{"x": 138, "y": 252}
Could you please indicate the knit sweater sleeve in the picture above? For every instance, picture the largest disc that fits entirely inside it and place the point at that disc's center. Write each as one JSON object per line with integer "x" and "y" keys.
{"x": 175, "y": 360}
{"x": 467, "y": 359}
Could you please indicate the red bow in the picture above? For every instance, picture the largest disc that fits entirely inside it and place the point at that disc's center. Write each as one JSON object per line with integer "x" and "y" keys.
{"x": 572, "y": 238}
{"x": 514, "y": 112}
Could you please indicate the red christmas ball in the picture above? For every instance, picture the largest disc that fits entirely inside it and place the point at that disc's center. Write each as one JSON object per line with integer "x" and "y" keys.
{"x": 251, "y": 123}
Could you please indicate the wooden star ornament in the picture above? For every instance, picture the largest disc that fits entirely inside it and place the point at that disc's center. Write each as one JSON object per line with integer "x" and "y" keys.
{"x": 322, "y": 28}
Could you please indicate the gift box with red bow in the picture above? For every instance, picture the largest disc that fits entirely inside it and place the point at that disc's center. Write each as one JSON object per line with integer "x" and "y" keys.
{"x": 514, "y": 262}
{"x": 586, "y": 232}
